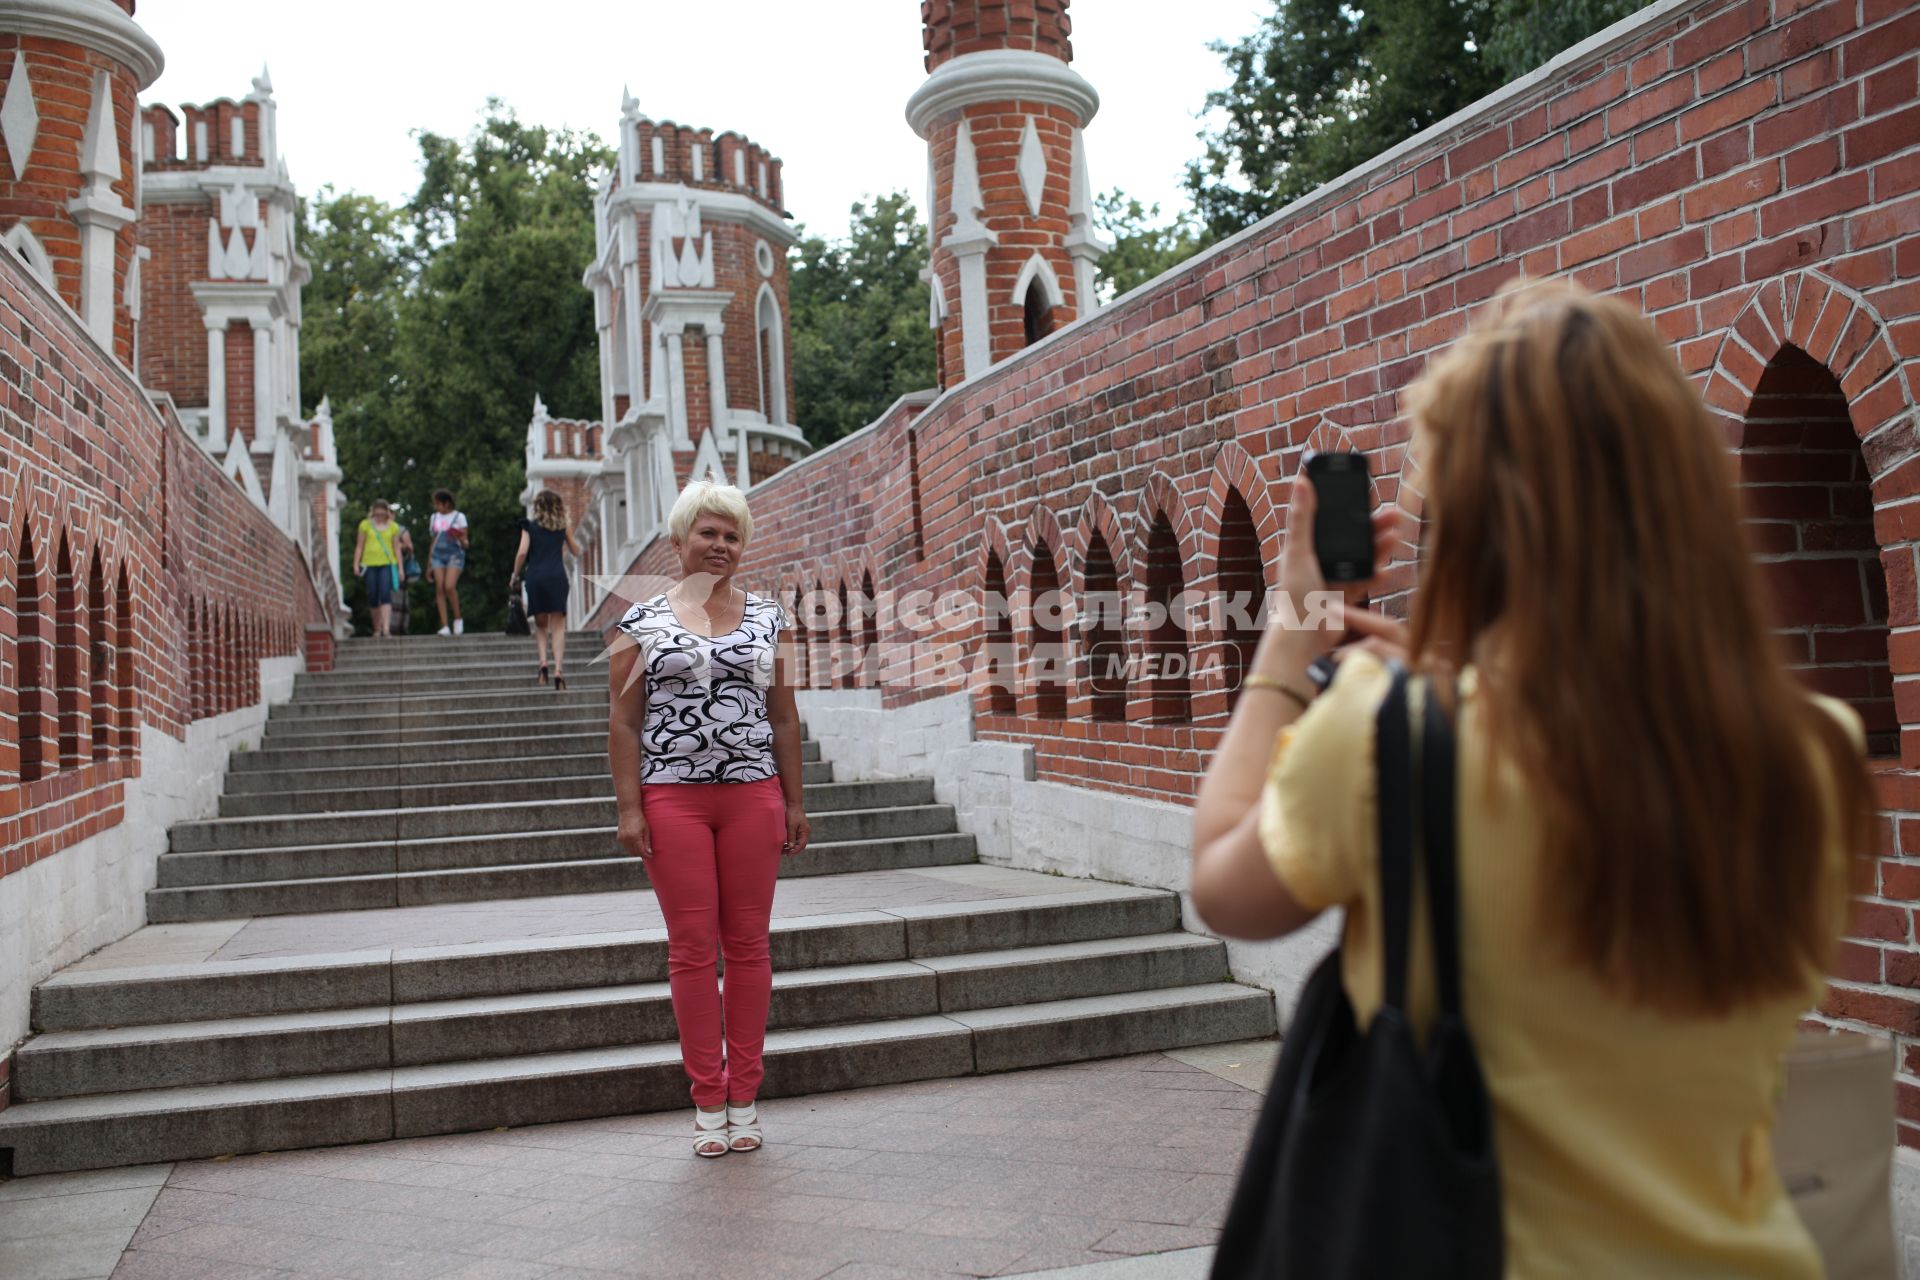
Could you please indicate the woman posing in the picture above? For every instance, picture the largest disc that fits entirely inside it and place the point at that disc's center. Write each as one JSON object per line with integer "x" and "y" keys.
{"x": 542, "y": 540}
{"x": 1656, "y": 820}
{"x": 704, "y": 741}
{"x": 447, "y": 558}
{"x": 377, "y": 555}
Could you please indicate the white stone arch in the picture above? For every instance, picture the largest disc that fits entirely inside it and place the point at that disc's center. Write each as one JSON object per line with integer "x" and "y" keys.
{"x": 770, "y": 354}
{"x": 21, "y": 240}
{"x": 1037, "y": 268}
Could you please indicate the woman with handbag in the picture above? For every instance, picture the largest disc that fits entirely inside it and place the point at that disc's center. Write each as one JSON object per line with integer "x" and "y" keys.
{"x": 543, "y": 539}
{"x": 704, "y": 740}
{"x": 377, "y": 562}
{"x": 1656, "y": 834}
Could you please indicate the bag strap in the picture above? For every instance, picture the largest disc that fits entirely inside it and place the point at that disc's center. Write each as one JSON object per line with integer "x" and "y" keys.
{"x": 1439, "y": 837}
{"x": 1394, "y": 802}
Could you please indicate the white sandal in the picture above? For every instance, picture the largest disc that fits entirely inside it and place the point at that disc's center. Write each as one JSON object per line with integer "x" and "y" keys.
{"x": 710, "y": 1129}
{"x": 743, "y": 1125}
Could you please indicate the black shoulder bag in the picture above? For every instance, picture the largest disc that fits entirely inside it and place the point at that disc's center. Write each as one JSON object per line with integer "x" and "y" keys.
{"x": 1372, "y": 1158}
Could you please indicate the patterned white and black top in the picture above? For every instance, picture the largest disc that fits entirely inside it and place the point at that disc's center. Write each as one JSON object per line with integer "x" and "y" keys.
{"x": 706, "y": 696}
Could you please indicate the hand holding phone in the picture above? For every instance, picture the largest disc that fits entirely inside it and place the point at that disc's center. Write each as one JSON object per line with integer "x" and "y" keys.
{"x": 1343, "y": 516}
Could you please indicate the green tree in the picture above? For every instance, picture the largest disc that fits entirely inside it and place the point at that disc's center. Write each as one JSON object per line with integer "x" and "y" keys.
{"x": 1324, "y": 85}
{"x": 860, "y": 332}
{"x": 1141, "y": 246}
{"x": 480, "y": 308}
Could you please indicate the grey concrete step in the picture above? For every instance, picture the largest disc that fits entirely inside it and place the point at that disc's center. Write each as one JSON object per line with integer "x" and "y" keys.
{"x": 496, "y": 738}
{"x": 609, "y": 872}
{"x": 415, "y": 650}
{"x": 442, "y": 680}
{"x": 81, "y": 999}
{"x": 319, "y": 862}
{"x": 825, "y": 804}
{"x": 402, "y": 790}
{"x": 430, "y": 767}
{"x": 350, "y": 714}
{"x": 121, "y": 1059}
{"x": 155, "y": 1125}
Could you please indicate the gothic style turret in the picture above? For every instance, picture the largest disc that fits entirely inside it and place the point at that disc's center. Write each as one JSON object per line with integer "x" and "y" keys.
{"x": 1009, "y": 207}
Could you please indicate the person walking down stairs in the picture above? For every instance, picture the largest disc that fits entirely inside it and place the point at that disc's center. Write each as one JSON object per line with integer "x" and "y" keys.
{"x": 542, "y": 541}
{"x": 704, "y": 742}
{"x": 376, "y": 561}
{"x": 446, "y": 559}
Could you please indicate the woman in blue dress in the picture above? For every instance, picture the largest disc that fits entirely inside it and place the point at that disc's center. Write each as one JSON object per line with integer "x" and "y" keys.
{"x": 543, "y": 539}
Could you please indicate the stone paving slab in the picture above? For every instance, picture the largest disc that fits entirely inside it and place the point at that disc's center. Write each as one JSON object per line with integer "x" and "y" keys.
{"x": 452, "y": 924}
{"x": 1124, "y": 1166}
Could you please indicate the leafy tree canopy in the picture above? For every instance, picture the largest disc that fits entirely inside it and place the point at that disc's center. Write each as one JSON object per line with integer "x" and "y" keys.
{"x": 860, "y": 332}
{"x": 1141, "y": 246}
{"x": 432, "y": 326}
{"x": 1324, "y": 85}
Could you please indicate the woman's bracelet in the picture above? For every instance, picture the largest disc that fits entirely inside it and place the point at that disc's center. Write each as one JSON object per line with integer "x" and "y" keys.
{"x": 1278, "y": 686}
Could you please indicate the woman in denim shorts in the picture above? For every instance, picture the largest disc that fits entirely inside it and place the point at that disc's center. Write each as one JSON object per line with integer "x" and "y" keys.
{"x": 448, "y": 558}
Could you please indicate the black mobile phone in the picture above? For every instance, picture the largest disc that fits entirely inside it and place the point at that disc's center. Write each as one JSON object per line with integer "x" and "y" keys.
{"x": 1343, "y": 522}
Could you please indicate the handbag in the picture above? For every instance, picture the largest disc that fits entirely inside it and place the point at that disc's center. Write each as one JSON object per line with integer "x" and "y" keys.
{"x": 517, "y": 612}
{"x": 1833, "y": 1146}
{"x": 1372, "y": 1157}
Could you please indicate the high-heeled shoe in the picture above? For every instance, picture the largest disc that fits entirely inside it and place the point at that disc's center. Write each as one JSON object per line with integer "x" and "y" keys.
{"x": 542, "y": 678}
{"x": 559, "y": 683}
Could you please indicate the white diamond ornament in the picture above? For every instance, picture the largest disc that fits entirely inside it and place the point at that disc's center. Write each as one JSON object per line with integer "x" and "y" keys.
{"x": 239, "y": 262}
{"x": 19, "y": 117}
{"x": 1032, "y": 168}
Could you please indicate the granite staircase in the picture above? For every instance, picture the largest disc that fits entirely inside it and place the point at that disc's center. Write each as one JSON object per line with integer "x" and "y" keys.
{"x": 410, "y": 917}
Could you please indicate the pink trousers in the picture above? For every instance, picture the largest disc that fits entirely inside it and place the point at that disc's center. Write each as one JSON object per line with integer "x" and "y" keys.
{"x": 716, "y": 853}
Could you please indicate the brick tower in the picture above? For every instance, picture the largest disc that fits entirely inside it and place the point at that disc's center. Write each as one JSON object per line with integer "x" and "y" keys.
{"x": 690, "y": 294}
{"x": 1010, "y": 212}
{"x": 71, "y": 72}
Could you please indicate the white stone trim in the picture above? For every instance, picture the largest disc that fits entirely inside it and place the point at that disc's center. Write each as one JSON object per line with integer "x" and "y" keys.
{"x": 774, "y": 381}
{"x": 723, "y": 206}
{"x": 1038, "y": 268}
{"x": 20, "y": 238}
{"x": 1000, "y": 75}
{"x": 177, "y": 186}
{"x": 104, "y": 28}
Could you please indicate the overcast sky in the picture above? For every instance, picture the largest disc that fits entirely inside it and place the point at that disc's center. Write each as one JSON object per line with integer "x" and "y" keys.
{"x": 823, "y": 84}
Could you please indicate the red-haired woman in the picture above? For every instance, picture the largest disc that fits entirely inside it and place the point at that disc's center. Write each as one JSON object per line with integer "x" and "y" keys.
{"x": 1656, "y": 820}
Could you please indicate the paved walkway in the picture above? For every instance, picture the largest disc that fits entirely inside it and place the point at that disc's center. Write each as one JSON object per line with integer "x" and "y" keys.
{"x": 1084, "y": 1169}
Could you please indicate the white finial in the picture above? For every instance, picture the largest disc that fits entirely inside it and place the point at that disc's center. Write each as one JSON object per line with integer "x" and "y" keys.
{"x": 100, "y": 150}
{"x": 629, "y": 105}
{"x": 539, "y": 407}
{"x": 263, "y": 84}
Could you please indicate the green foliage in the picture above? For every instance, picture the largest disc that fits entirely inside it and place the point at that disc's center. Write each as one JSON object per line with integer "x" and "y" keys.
{"x": 1141, "y": 245}
{"x": 433, "y": 327}
{"x": 859, "y": 324}
{"x": 1325, "y": 85}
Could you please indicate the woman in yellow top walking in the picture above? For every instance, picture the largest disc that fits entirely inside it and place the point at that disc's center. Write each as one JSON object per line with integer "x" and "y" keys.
{"x": 376, "y": 561}
{"x": 1657, "y": 822}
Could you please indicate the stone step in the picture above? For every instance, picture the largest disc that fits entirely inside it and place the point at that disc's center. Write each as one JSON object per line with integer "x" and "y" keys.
{"x": 78, "y": 999}
{"x": 432, "y": 771}
{"x": 414, "y": 794}
{"x": 532, "y": 730}
{"x": 322, "y": 862}
{"x": 67, "y": 1064}
{"x": 825, "y": 803}
{"x": 610, "y": 872}
{"x": 436, "y": 679}
{"x": 394, "y": 711}
{"x": 272, "y": 757}
{"x": 418, "y": 648}
{"x": 193, "y": 1122}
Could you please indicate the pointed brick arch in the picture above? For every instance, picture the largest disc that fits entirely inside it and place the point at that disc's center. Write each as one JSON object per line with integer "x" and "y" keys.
{"x": 1165, "y": 555}
{"x": 1101, "y": 568}
{"x": 1236, "y": 471}
{"x": 1045, "y": 588}
{"x": 997, "y": 662}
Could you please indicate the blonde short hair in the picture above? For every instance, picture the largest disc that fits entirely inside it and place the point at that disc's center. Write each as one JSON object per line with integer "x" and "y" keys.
{"x": 704, "y": 497}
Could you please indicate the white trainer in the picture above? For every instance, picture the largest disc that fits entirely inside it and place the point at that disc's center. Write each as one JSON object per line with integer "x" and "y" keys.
{"x": 443, "y": 632}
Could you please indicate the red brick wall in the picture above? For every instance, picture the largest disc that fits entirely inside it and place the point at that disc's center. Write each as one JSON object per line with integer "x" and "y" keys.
{"x": 173, "y": 336}
{"x": 240, "y": 381}
{"x": 1746, "y": 172}
{"x": 954, "y": 27}
{"x": 86, "y": 464}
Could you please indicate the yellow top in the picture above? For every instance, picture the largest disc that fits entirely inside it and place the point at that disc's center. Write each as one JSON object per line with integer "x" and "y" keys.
{"x": 379, "y": 549}
{"x": 1630, "y": 1143}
